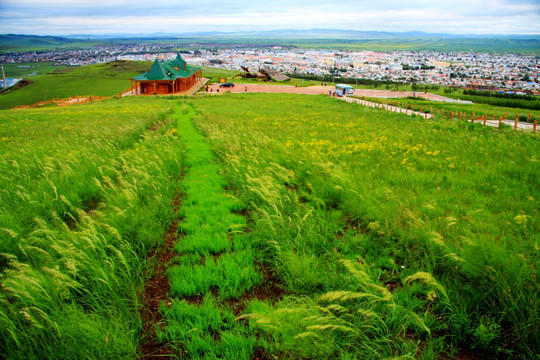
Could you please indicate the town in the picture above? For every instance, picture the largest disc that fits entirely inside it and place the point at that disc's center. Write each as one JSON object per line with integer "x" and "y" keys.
{"x": 506, "y": 72}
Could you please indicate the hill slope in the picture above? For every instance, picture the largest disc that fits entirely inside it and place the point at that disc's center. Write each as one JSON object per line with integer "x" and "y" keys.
{"x": 105, "y": 79}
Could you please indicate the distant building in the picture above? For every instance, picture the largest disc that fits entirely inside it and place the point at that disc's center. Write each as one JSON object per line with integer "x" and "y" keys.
{"x": 480, "y": 86}
{"x": 167, "y": 77}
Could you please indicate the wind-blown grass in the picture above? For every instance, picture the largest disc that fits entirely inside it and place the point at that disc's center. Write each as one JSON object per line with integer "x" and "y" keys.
{"x": 383, "y": 235}
{"x": 83, "y": 200}
{"x": 444, "y": 213}
{"x": 216, "y": 260}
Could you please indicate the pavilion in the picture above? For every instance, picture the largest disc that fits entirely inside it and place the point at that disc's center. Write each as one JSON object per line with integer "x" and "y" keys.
{"x": 169, "y": 77}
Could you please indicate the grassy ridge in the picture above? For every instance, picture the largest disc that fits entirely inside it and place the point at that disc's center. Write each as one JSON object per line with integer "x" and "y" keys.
{"x": 428, "y": 229}
{"x": 86, "y": 193}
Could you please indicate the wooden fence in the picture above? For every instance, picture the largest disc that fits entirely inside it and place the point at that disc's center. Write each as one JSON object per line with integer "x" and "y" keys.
{"x": 518, "y": 125}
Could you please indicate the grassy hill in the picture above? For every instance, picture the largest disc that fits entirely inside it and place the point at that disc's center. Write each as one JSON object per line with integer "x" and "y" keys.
{"x": 105, "y": 79}
{"x": 288, "y": 226}
{"x": 214, "y": 74}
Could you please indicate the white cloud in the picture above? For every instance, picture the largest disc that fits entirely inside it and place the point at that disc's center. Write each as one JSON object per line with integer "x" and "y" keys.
{"x": 61, "y": 17}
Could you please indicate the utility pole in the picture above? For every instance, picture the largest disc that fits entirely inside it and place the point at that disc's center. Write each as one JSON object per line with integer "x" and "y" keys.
{"x": 3, "y": 77}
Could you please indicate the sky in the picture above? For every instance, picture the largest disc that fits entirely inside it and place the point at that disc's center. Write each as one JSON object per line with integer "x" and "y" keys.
{"x": 100, "y": 17}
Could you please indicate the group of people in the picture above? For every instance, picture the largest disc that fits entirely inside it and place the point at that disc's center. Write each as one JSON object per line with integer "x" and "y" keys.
{"x": 217, "y": 90}
{"x": 211, "y": 89}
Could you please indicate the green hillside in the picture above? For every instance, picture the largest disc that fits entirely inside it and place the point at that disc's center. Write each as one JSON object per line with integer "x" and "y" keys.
{"x": 269, "y": 226}
{"x": 105, "y": 79}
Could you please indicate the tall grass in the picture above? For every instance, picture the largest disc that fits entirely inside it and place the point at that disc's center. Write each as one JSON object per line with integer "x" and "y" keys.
{"x": 215, "y": 260}
{"x": 416, "y": 200}
{"x": 466, "y": 110}
{"x": 86, "y": 193}
{"x": 391, "y": 236}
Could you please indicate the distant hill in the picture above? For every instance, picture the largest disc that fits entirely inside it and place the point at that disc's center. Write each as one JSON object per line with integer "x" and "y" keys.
{"x": 311, "y": 38}
{"x": 355, "y": 34}
{"x": 302, "y": 33}
{"x": 14, "y": 42}
{"x": 343, "y": 40}
{"x": 33, "y": 40}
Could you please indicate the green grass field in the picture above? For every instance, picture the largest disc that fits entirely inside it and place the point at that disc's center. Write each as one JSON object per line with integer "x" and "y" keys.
{"x": 307, "y": 228}
{"x": 362, "y": 211}
{"x": 214, "y": 74}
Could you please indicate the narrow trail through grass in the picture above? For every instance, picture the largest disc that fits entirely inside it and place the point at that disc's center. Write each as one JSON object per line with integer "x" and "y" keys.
{"x": 156, "y": 291}
{"x": 215, "y": 263}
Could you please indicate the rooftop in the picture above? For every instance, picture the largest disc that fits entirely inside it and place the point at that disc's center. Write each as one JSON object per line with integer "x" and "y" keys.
{"x": 168, "y": 70}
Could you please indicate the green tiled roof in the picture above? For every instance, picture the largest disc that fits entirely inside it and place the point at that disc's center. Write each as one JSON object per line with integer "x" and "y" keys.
{"x": 168, "y": 70}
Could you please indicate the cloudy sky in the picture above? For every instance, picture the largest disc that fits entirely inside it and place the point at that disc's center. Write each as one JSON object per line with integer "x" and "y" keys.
{"x": 64, "y": 17}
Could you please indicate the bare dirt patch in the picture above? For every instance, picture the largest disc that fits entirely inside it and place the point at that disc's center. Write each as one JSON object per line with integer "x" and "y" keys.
{"x": 156, "y": 291}
{"x": 270, "y": 289}
{"x": 17, "y": 86}
{"x": 318, "y": 90}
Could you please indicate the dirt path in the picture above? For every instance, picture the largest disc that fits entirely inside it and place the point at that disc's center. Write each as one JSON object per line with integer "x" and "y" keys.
{"x": 157, "y": 291}
{"x": 324, "y": 90}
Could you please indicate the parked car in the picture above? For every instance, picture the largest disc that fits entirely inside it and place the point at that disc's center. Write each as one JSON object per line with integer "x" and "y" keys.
{"x": 227, "y": 84}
